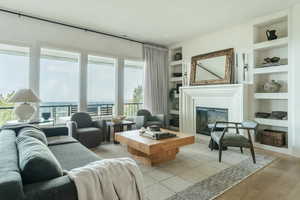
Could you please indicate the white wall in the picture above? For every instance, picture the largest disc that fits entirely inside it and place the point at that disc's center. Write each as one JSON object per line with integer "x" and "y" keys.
{"x": 295, "y": 73}
{"x": 33, "y": 32}
{"x": 240, "y": 38}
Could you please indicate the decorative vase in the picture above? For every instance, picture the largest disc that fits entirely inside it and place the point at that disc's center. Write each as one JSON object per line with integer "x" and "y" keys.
{"x": 271, "y": 34}
{"x": 46, "y": 115}
{"x": 272, "y": 86}
{"x": 177, "y": 56}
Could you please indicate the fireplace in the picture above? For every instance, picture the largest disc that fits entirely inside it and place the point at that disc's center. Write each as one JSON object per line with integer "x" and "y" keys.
{"x": 205, "y": 116}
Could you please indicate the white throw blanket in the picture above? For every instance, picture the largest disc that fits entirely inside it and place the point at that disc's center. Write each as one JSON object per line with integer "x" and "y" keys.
{"x": 109, "y": 179}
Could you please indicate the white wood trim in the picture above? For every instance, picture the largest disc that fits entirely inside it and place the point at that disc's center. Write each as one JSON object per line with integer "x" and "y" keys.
{"x": 270, "y": 70}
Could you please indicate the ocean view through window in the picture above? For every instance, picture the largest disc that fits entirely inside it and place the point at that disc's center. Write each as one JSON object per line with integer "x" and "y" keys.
{"x": 133, "y": 87}
{"x": 14, "y": 68}
{"x": 59, "y": 83}
{"x": 101, "y": 85}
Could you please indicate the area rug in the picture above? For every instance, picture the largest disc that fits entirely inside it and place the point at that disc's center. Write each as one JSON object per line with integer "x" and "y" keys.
{"x": 217, "y": 184}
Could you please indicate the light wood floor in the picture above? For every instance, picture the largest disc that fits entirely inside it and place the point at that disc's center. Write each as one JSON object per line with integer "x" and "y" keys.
{"x": 279, "y": 180}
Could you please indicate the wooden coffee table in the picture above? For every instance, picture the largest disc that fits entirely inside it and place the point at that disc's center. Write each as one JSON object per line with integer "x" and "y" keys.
{"x": 151, "y": 152}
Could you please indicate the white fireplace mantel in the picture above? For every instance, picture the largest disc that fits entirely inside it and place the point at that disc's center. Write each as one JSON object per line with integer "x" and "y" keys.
{"x": 232, "y": 97}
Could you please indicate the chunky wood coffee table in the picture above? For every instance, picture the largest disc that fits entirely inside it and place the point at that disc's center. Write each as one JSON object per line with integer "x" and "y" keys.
{"x": 151, "y": 152}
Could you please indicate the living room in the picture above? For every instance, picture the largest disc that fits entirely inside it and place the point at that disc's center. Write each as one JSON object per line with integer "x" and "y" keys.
{"x": 109, "y": 100}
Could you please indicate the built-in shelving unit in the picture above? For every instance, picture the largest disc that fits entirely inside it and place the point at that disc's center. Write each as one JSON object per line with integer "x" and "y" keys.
{"x": 271, "y": 96}
{"x": 175, "y": 81}
{"x": 272, "y": 70}
{"x": 265, "y": 102}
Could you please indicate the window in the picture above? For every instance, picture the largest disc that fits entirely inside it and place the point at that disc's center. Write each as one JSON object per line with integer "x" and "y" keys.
{"x": 59, "y": 82}
{"x": 101, "y": 85}
{"x": 133, "y": 87}
{"x": 14, "y": 75}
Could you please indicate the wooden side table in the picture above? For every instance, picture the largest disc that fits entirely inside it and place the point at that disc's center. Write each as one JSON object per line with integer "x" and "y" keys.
{"x": 117, "y": 127}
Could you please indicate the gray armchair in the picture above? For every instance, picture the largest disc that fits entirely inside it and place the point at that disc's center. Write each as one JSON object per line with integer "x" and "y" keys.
{"x": 89, "y": 133}
{"x": 148, "y": 119}
{"x": 225, "y": 138}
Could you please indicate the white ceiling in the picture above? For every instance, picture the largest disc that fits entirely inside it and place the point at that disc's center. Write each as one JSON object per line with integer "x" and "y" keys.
{"x": 157, "y": 21}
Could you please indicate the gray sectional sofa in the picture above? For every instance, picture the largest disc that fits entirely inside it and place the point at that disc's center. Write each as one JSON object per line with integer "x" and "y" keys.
{"x": 67, "y": 151}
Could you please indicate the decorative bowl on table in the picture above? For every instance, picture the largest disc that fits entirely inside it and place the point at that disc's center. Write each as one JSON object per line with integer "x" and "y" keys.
{"x": 46, "y": 115}
{"x": 118, "y": 119}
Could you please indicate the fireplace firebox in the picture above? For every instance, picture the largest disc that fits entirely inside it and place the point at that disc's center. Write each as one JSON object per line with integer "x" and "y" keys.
{"x": 206, "y": 116}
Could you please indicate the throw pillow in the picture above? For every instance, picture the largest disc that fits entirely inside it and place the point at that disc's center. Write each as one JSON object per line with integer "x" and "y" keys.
{"x": 33, "y": 132}
{"x": 36, "y": 161}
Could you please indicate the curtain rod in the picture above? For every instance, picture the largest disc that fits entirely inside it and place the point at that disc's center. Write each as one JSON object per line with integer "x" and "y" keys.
{"x": 68, "y": 25}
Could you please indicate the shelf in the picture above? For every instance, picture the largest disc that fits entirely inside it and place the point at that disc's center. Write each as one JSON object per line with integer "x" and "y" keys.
{"x": 271, "y": 70}
{"x": 271, "y": 95}
{"x": 271, "y": 44}
{"x": 176, "y": 79}
{"x": 176, "y": 63}
{"x": 174, "y": 112}
{"x": 283, "y": 149}
{"x": 272, "y": 122}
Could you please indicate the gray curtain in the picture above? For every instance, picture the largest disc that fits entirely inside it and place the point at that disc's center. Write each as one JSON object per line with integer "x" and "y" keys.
{"x": 156, "y": 79}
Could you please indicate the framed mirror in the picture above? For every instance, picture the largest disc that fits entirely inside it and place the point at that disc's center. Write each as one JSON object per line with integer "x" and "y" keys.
{"x": 213, "y": 68}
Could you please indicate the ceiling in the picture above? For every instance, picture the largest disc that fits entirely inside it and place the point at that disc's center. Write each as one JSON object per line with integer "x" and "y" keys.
{"x": 161, "y": 22}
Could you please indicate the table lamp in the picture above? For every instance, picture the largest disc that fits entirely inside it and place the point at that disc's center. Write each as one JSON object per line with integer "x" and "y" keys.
{"x": 24, "y": 110}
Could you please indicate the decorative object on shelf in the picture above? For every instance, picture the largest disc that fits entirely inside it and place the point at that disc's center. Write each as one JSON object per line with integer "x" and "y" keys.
{"x": 262, "y": 115}
{"x": 118, "y": 119}
{"x": 245, "y": 66}
{"x": 185, "y": 80}
{"x": 272, "y": 86}
{"x": 177, "y": 74}
{"x": 271, "y": 34}
{"x": 24, "y": 111}
{"x": 273, "y": 138}
{"x": 274, "y": 61}
{"x": 213, "y": 68}
{"x": 172, "y": 94}
{"x": 282, "y": 115}
{"x": 178, "y": 56}
{"x": 178, "y": 85}
{"x": 46, "y": 115}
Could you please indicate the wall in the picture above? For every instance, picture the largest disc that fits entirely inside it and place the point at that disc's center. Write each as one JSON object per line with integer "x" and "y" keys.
{"x": 295, "y": 72}
{"x": 240, "y": 38}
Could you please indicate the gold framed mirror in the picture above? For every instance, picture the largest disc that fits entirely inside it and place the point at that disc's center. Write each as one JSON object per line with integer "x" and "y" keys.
{"x": 213, "y": 68}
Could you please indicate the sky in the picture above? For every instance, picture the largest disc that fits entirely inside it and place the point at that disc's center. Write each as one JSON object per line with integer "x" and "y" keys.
{"x": 59, "y": 80}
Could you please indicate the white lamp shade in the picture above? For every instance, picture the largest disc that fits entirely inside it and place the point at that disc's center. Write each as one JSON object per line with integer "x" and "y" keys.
{"x": 24, "y": 96}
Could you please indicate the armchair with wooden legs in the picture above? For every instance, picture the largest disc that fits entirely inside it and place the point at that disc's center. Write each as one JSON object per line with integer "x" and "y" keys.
{"x": 227, "y": 138}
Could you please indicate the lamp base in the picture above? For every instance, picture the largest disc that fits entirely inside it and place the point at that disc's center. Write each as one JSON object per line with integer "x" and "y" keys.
{"x": 24, "y": 112}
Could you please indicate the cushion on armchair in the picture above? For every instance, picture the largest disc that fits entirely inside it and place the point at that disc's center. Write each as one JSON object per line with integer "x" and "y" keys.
{"x": 230, "y": 139}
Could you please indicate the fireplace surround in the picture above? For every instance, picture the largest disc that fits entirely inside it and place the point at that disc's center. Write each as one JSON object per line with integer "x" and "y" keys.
{"x": 232, "y": 97}
{"x": 206, "y": 116}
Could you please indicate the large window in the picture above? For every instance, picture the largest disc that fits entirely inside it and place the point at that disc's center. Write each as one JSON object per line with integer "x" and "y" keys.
{"x": 14, "y": 75}
{"x": 101, "y": 85}
{"x": 59, "y": 82}
{"x": 133, "y": 86}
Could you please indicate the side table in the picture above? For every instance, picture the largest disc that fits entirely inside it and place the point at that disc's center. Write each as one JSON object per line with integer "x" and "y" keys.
{"x": 117, "y": 127}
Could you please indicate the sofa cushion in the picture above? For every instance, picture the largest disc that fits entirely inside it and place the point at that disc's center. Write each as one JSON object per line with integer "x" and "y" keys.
{"x": 73, "y": 155}
{"x": 36, "y": 161}
{"x": 58, "y": 140}
{"x": 33, "y": 132}
{"x": 10, "y": 178}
